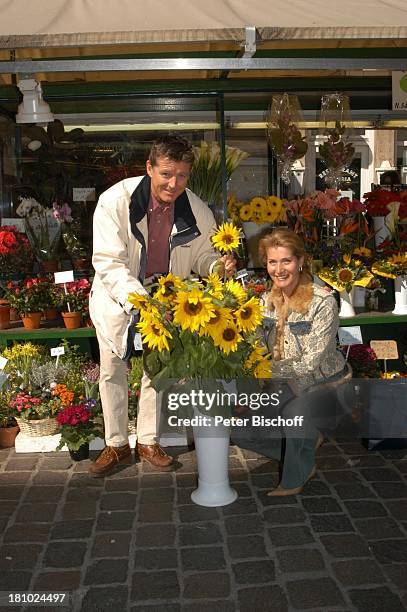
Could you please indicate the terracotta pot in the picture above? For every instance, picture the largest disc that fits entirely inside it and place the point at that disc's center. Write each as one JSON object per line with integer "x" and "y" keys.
{"x": 4, "y": 314}
{"x": 50, "y": 314}
{"x": 81, "y": 264}
{"x": 8, "y": 436}
{"x": 72, "y": 320}
{"x": 14, "y": 316}
{"x": 50, "y": 265}
{"x": 80, "y": 454}
{"x": 32, "y": 320}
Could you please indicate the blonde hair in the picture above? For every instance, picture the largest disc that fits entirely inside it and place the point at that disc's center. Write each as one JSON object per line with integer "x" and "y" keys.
{"x": 286, "y": 238}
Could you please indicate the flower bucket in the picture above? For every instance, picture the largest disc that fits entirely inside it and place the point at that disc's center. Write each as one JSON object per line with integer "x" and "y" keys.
{"x": 212, "y": 453}
{"x": 37, "y": 428}
{"x": 72, "y": 320}
{"x": 346, "y": 304}
{"x": 4, "y": 316}
{"x": 253, "y": 233}
{"x": 400, "y": 294}
{"x": 80, "y": 454}
{"x": 32, "y": 320}
{"x": 8, "y": 436}
{"x": 381, "y": 229}
{"x": 359, "y": 296}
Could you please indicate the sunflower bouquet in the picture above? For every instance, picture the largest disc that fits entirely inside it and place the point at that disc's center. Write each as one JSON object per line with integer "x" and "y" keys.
{"x": 391, "y": 266}
{"x": 260, "y": 209}
{"x": 345, "y": 274}
{"x": 200, "y": 330}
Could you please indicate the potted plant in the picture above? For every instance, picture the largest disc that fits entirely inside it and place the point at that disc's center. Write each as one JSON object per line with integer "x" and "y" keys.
{"x": 8, "y": 425}
{"x": 16, "y": 255}
{"x": 74, "y": 302}
{"x": 70, "y": 230}
{"x": 77, "y": 428}
{"x": 34, "y": 413}
{"x": 30, "y": 299}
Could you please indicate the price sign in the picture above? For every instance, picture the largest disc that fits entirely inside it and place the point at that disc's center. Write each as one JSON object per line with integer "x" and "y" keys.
{"x": 83, "y": 194}
{"x": 241, "y": 274}
{"x": 3, "y": 362}
{"x": 385, "y": 349}
{"x": 63, "y": 277}
{"x": 350, "y": 335}
{"x": 18, "y": 223}
{"x": 57, "y": 351}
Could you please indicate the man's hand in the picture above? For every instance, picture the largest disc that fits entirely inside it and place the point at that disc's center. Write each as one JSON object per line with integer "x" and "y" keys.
{"x": 225, "y": 265}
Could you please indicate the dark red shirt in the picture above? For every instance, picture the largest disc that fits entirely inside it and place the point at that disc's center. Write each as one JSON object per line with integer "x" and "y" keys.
{"x": 160, "y": 221}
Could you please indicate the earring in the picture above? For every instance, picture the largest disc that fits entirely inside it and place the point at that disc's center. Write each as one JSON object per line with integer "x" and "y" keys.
{"x": 300, "y": 269}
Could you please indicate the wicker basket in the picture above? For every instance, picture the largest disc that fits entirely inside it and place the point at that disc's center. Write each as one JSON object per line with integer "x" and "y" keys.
{"x": 42, "y": 427}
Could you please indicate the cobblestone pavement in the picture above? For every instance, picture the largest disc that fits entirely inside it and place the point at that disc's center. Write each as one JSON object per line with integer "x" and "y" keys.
{"x": 135, "y": 541}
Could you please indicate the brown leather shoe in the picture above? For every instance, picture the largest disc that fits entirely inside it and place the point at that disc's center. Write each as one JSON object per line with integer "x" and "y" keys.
{"x": 108, "y": 459}
{"x": 155, "y": 455}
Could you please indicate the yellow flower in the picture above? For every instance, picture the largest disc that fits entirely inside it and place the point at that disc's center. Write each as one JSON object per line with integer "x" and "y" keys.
{"x": 245, "y": 212}
{"x": 362, "y": 252}
{"x": 347, "y": 258}
{"x": 236, "y": 290}
{"x": 270, "y": 216}
{"x": 274, "y": 204}
{"x": 139, "y": 301}
{"x": 167, "y": 287}
{"x": 227, "y": 238}
{"x": 229, "y": 339}
{"x": 154, "y": 333}
{"x": 217, "y": 323}
{"x": 214, "y": 285}
{"x": 345, "y": 275}
{"x": 256, "y": 355}
{"x": 258, "y": 204}
{"x": 398, "y": 259}
{"x": 248, "y": 316}
{"x": 262, "y": 369}
{"x": 26, "y": 349}
{"x": 192, "y": 309}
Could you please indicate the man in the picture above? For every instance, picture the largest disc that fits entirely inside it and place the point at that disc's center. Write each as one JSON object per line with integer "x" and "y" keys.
{"x": 142, "y": 227}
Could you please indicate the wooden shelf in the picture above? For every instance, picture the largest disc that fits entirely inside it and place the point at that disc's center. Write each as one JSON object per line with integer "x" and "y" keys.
{"x": 45, "y": 332}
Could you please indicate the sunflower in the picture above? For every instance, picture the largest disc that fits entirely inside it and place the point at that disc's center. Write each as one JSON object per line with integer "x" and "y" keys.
{"x": 139, "y": 301}
{"x": 167, "y": 287}
{"x": 236, "y": 290}
{"x": 227, "y": 238}
{"x": 345, "y": 275}
{"x": 214, "y": 286}
{"x": 362, "y": 252}
{"x": 217, "y": 323}
{"x": 245, "y": 212}
{"x": 262, "y": 369}
{"x": 154, "y": 333}
{"x": 192, "y": 309}
{"x": 258, "y": 204}
{"x": 347, "y": 258}
{"x": 248, "y": 316}
{"x": 229, "y": 338}
{"x": 270, "y": 216}
{"x": 274, "y": 204}
{"x": 256, "y": 355}
{"x": 399, "y": 259}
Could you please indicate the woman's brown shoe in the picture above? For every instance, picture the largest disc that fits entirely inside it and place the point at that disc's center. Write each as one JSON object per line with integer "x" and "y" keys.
{"x": 281, "y": 492}
{"x": 155, "y": 455}
{"x": 108, "y": 459}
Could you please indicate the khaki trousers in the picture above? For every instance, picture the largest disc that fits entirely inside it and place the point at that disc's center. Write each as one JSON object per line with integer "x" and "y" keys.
{"x": 113, "y": 387}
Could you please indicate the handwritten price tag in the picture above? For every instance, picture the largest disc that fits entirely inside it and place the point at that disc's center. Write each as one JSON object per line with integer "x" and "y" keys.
{"x": 3, "y": 362}
{"x": 57, "y": 350}
{"x": 385, "y": 349}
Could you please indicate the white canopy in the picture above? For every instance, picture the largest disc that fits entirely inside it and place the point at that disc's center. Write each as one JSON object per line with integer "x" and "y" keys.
{"x": 40, "y": 23}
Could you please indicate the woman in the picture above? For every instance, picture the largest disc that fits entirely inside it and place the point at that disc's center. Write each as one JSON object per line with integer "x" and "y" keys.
{"x": 301, "y": 322}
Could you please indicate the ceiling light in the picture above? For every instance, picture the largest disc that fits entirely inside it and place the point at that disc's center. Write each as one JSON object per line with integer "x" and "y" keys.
{"x": 32, "y": 109}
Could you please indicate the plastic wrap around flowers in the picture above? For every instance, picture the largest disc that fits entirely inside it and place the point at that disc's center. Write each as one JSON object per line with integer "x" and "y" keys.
{"x": 260, "y": 209}
{"x": 285, "y": 138}
{"x": 335, "y": 152}
{"x": 344, "y": 275}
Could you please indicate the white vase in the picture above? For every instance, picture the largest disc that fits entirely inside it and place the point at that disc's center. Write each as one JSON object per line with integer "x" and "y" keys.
{"x": 346, "y": 304}
{"x": 253, "y": 233}
{"x": 212, "y": 453}
{"x": 400, "y": 294}
{"x": 381, "y": 229}
{"x": 359, "y": 296}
